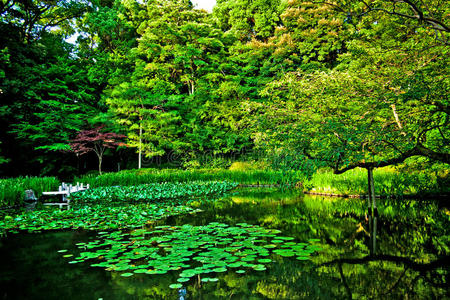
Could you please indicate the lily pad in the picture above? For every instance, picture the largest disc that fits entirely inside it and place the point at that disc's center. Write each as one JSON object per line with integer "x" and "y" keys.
{"x": 214, "y": 247}
{"x": 302, "y": 257}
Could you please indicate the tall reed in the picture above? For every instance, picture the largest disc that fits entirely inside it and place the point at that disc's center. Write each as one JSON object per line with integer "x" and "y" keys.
{"x": 135, "y": 177}
{"x": 12, "y": 189}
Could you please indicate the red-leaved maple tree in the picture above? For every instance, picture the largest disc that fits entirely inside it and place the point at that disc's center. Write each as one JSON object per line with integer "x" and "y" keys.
{"x": 94, "y": 140}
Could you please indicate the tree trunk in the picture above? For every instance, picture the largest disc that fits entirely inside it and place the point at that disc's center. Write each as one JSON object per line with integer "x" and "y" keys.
{"x": 140, "y": 146}
{"x": 100, "y": 159}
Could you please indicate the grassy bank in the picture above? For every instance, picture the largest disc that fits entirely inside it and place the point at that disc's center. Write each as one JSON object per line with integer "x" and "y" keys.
{"x": 12, "y": 189}
{"x": 388, "y": 181}
{"x": 142, "y": 176}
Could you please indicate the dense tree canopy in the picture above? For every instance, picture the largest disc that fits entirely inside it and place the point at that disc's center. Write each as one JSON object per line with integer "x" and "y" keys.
{"x": 385, "y": 101}
{"x": 338, "y": 84}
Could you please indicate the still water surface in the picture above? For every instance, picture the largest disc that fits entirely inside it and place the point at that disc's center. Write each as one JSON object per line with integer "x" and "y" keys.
{"x": 402, "y": 254}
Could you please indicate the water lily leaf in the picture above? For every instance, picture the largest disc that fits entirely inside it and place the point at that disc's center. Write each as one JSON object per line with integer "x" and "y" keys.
{"x": 207, "y": 279}
{"x": 219, "y": 270}
{"x": 286, "y": 238}
{"x": 140, "y": 271}
{"x": 302, "y": 257}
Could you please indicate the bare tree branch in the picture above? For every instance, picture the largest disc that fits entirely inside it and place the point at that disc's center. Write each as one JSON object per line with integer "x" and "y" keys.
{"x": 418, "y": 150}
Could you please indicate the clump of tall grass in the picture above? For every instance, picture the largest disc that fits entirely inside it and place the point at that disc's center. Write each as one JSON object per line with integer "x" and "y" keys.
{"x": 141, "y": 176}
{"x": 387, "y": 181}
{"x": 12, "y": 189}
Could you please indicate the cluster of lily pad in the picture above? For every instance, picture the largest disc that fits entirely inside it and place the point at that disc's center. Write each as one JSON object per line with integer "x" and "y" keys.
{"x": 194, "y": 250}
{"x": 97, "y": 217}
{"x": 154, "y": 192}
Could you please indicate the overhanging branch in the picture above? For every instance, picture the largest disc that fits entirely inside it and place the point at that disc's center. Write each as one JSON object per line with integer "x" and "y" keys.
{"x": 418, "y": 150}
{"x": 418, "y": 13}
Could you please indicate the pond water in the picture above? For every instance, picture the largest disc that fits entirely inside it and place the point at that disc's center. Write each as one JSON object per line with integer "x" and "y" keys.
{"x": 402, "y": 254}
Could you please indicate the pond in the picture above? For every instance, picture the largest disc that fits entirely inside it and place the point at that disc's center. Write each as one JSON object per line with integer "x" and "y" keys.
{"x": 402, "y": 254}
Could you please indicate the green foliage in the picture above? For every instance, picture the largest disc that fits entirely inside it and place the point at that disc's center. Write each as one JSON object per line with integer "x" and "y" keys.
{"x": 248, "y": 19}
{"x": 135, "y": 177}
{"x": 155, "y": 192}
{"x": 12, "y": 190}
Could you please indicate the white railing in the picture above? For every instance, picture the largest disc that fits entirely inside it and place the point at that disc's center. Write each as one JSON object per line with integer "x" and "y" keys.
{"x": 65, "y": 190}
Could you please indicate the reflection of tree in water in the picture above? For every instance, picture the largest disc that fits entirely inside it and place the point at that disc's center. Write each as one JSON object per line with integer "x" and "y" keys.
{"x": 408, "y": 277}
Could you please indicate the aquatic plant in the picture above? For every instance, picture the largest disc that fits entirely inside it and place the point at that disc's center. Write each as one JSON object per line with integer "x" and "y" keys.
{"x": 195, "y": 250}
{"x": 98, "y": 217}
{"x": 154, "y": 192}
